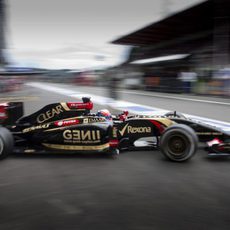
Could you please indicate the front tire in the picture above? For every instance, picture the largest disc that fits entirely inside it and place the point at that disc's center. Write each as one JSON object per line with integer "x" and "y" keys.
{"x": 6, "y": 142}
{"x": 178, "y": 143}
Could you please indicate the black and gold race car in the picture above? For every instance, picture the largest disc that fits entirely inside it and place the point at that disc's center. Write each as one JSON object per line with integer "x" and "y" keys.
{"x": 70, "y": 127}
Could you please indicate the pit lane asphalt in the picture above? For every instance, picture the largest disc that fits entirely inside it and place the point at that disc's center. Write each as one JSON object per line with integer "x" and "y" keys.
{"x": 139, "y": 190}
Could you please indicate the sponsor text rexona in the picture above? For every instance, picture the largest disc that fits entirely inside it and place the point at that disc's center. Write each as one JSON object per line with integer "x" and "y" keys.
{"x": 131, "y": 129}
{"x": 82, "y": 136}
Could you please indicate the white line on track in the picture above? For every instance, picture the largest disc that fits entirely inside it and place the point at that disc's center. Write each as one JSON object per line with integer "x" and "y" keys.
{"x": 125, "y": 105}
{"x": 177, "y": 98}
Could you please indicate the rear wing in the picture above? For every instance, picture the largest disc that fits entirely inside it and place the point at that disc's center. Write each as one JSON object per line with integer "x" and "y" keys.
{"x": 87, "y": 104}
{"x": 57, "y": 111}
{"x": 10, "y": 112}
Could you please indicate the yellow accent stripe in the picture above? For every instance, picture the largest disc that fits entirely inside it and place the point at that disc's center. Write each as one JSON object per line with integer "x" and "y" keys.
{"x": 66, "y": 108}
{"x": 58, "y": 128}
{"x": 76, "y": 147}
{"x": 164, "y": 121}
{"x": 72, "y": 118}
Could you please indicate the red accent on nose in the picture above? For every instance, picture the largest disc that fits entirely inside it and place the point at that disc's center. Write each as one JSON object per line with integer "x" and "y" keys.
{"x": 80, "y": 105}
{"x": 3, "y": 113}
{"x": 215, "y": 141}
{"x": 221, "y": 147}
{"x": 66, "y": 123}
{"x": 158, "y": 125}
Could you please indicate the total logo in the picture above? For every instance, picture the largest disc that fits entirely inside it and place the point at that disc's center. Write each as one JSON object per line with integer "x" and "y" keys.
{"x": 131, "y": 129}
{"x": 66, "y": 123}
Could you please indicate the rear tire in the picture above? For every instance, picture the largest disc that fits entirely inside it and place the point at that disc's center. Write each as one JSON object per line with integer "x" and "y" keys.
{"x": 178, "y": 143}
{"x": 6, "y": 142}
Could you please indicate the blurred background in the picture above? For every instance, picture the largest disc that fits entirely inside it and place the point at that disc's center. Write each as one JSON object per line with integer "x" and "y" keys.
{"x": 173, "y": 46}
{"x": 152, "y": 56}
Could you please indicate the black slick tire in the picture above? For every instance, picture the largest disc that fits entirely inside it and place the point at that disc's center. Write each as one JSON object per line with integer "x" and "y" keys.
{"x": 178, "y": 143}
{"x": 6, "y": 142}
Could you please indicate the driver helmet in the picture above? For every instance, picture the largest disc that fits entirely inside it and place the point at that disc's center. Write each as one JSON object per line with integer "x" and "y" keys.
{"x": 104, "y": 113}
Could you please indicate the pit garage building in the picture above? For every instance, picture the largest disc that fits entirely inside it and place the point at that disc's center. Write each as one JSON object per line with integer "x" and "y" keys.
{"x": 186, "y": 52}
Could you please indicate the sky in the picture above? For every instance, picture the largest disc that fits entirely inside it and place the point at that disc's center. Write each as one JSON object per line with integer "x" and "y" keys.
{"x": 76, "y": 34}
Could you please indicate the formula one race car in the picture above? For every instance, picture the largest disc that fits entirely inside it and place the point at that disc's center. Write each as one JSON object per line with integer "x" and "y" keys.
{"x": 71, "y": 128}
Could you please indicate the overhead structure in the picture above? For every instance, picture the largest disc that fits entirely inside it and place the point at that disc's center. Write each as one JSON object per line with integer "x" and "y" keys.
{"x": 203, "y": 30}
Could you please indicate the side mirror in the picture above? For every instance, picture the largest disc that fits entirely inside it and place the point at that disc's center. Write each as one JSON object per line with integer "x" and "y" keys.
{"x": 86, "y": 99}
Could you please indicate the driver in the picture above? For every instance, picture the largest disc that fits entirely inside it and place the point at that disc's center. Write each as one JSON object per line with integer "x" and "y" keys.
{"x": 104, "y": 113}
